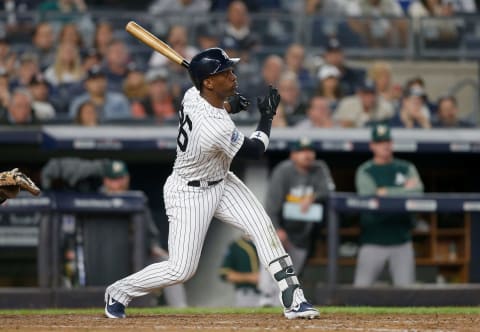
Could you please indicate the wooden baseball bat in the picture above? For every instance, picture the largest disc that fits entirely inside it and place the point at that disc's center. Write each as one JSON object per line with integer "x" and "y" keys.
{"x": 149, "y": 39}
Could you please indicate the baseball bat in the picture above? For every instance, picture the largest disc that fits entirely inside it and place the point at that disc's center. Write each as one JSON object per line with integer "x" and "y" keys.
{"x": 149, "y": 39}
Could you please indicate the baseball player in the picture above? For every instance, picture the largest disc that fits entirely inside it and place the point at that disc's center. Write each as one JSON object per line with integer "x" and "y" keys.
{"x": 202, "y": 187}
{"x": 11, "y": 182}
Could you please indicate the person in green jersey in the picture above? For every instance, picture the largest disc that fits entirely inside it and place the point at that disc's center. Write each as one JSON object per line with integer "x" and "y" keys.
{"x": 386, "y": 237}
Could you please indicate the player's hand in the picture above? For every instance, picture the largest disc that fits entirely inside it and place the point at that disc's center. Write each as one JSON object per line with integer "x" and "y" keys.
{"x": 267, "y": 105}
{"x": 238, "y": 103}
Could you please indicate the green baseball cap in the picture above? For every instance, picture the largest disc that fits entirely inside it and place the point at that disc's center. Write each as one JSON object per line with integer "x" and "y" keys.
{"x": 115, "y": 169}
{"x": 303, "y": 144}
{"x": 381, "y": 132}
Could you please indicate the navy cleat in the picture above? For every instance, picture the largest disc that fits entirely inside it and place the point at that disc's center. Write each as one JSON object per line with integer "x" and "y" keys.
{"x": 303, "y": 310}
{"x": 114, "y": 309}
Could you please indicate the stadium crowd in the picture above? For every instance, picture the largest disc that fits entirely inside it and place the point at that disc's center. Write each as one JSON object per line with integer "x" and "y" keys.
{"x": 65, "y": 64}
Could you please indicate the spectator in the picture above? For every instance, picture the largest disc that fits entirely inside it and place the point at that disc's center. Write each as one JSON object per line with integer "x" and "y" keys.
{"x": 62, "y": 11}
{"x": 381, "y": 74}
{"x": 4, "y": 90}
{"x": 110, "y": 105}
{"x": 27, "y": 69}
{"x": 419, "y": 84}
{"x": 159, "y": 103}
{"x": 319, "y": 114}
{"x": 448, "y": 114}
{"x": 135, "y": 86}
{"x": 237, "y": 27}
{"x": 207, "y": 36}
{"x": 67, "y": 66}
{"x": 350, "y": 77}
{"x": 413, "y": 113}
{"x": 297, "y": 190}
{"x": 116, "y": 180}
{"x": 102, "y": 37}
{"x": 19, "y": 109}
{"x": 385, "y": 237}
{"x": 87, "y": 115}
{"x": 69, "y": 33}
{"x": 381, "y": 29}
{"x": 295, "y": 62}
{"x": 272, "y": 69}
{"x": 41, "y": 105}
{"x": 365, "y": 107}
{"x": 44, "y": 44}
{"x": 291, "y": 104}
{"x": 178, "y": 12}
{"x": 116, "y": 61}
{"x": 91, "y": 58}
{"x": 329, "y": 85}
{"x": 8, "y": 58}
{"x": 240, "y": 267}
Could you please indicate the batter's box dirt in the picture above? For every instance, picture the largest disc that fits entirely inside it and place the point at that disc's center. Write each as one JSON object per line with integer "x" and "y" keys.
{"x": 243, "y": 322}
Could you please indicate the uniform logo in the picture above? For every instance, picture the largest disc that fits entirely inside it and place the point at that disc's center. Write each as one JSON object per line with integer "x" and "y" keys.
{"x": 235, "y": 136}
{"x": 400, "y": 179}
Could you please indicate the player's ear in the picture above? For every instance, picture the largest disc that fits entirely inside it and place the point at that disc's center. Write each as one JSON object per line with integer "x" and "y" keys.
{"x": 208, "y": 83}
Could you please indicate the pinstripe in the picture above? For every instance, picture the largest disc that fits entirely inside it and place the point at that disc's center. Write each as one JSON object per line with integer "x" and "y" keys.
{"x": 212, "y": 143}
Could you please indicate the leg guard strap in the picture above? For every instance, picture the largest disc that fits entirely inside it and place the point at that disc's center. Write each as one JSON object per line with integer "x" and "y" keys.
{"x": 283, "y": 272}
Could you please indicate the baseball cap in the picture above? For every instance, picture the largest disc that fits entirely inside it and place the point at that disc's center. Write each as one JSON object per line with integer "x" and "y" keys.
{"x": 415, "y": 90}
{"x": 302, "y": 144}
{"x": 95, "y": 71}
{"x": 156, "y": 75}
{"x": 381, "y": 132}
{"x": 367, "y": 86}
{"x": 327, "y": 71}
{"x": 37, "y": 79}
{"x": 333, "y": 44}
{"x": 115, "y": 169}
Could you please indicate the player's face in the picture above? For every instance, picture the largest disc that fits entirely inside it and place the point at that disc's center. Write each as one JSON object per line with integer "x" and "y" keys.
{"x": 225, "y": 83}
{"x": 303, "y": 158}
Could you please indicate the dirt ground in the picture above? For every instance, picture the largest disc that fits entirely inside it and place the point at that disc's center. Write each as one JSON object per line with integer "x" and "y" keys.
{"x": 241, "y": 322}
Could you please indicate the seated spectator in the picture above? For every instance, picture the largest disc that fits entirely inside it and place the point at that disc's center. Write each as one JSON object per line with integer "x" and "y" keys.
{"x": 291, "y": 103}
{"x": 69, "y": 33}
{"x": 19, "y": 110}
{"x": 4, "y": 90}
{"x": 87, "y": 115}
{"x": 364, "y": 107}
{"x": 102, "y": 37}
{"x": 91, "y": 58}
{"x": 419, "y": 84}
{"x": 448, "y": 114}
{"x": 380, "y": 29}
{"x": 159, "y": 103}
{"x": 295, "y": 62}
{"x": 238, "y": 26}
{"x": 135, "y": 87}
{"x": 67, "y": 66}
{"x": 207, "y": 36}
{"x": 39, "y": 90}
{"x": 413, "y": 112}
{"x": 8, "y": 57}
{"x": 240, "y": 267}
{"x": 386, "y": 237}
{"x": 27, "y": 69}
{"x": 116, "y": 61}
{"x": 43, "y": 41}
{"x": 110, "y": 105}
{"x": 272, "y": 69}
{"x": 329, "y": 85}
{"x": 319, "y": 114}
{"x": 381, "y": 74}
{"x": 350, "y": 77}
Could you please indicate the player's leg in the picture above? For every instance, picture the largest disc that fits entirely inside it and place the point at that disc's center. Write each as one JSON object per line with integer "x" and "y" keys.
{"x": 240, "y": 207}
{"x": 189, "y": 213}
{"x": 370, "y": 262}
{"x": 402, "y": 265}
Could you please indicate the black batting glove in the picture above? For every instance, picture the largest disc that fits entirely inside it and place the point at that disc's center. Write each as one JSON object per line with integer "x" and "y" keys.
{"x": 238, "y": 103}
{"x": 267, "y": 105}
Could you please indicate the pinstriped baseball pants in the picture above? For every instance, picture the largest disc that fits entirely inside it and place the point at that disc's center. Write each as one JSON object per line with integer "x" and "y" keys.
{"x": 190, "y": 211}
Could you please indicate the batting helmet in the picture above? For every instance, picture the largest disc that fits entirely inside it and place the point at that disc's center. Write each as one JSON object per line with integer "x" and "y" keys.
{"x": 209, "y": 62}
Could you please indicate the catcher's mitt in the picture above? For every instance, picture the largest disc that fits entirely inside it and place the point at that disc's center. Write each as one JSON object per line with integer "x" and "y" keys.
{"x": 11, "y": 182}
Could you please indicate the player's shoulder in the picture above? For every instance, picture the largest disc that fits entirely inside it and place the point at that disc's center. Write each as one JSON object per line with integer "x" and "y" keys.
{"x": 284, "y": 166}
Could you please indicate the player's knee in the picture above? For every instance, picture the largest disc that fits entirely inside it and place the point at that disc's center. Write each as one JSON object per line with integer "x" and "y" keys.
{"x": 181, "y": 273}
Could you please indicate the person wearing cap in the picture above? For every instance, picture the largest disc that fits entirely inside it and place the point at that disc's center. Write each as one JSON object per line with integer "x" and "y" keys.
{"x": 329, "y": 85}
{"x": 40, "y": 91}
{"x": 413, "y": 112}
{"x": 110, "y": 105}
{"x": 298, "y": 188}
{"x": 159, "y": 103}
{"x": 350, "y": 77}
{"x": 385, "y": 237}
{"x": 363, "y": 108}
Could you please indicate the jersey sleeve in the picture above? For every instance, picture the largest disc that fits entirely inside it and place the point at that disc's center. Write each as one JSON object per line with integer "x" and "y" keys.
{"x": 221, "y": 135}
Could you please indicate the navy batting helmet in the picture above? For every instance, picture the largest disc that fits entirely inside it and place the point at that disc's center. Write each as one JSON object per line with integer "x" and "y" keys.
{"x": 209, "y": 62}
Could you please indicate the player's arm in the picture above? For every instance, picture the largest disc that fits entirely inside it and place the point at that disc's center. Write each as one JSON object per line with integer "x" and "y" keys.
{"x": 255, "y": 146}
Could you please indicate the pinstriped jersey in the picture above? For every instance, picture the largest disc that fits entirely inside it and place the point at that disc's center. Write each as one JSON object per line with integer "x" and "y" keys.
{"x": 207, "y": 140}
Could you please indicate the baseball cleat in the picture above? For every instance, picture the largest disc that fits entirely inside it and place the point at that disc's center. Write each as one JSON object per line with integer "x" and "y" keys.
{"x": 303, "y": 310}
{"x": 114, "y": 309}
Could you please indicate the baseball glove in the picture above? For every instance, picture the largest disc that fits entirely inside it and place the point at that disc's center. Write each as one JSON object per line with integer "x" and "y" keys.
{"x": 11, "y": 182}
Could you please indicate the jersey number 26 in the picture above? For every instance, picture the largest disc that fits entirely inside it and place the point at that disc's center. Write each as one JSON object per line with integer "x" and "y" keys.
{"x": 182, "y": 138}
